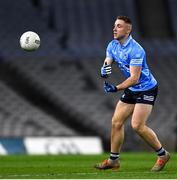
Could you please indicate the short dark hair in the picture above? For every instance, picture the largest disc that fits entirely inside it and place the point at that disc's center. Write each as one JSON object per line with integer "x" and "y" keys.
{"x": 125, "y": 19}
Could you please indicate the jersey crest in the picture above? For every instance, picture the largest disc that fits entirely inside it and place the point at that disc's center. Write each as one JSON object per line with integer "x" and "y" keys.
{"x": 123, "y": 56}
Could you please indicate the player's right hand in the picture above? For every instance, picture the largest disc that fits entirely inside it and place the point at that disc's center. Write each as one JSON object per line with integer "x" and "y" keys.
{"x": 109, "y": 87}
{"x": 105, "y": 71}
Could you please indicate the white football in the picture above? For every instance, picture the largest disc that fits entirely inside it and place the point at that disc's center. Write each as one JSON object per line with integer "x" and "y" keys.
{"x": 30, "y": 41}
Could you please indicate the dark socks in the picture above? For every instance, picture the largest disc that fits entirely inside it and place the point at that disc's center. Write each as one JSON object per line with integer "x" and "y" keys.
{"x": 114, "y": 156}
{"x": 161, "y": 152}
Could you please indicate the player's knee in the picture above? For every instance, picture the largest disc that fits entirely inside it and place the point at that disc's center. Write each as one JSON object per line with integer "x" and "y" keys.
{"x": 137, "y": 127}
{"x": 116, "y": 124}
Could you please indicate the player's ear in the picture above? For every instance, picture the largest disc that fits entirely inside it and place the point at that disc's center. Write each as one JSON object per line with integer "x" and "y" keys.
{"x": 129, "y": 28}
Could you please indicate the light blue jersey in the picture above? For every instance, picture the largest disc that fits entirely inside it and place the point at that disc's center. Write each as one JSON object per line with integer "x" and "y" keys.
{"x": 131, "y": 54}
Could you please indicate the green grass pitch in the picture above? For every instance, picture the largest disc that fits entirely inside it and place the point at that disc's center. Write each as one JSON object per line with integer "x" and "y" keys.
{"x": 133, "y": 165}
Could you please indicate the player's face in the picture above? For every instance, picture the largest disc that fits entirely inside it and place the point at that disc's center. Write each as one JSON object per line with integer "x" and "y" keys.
{"x": 121, "y": 29}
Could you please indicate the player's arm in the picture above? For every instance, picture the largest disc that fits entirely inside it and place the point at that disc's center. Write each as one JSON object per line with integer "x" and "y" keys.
{"x": 135, "y": 72}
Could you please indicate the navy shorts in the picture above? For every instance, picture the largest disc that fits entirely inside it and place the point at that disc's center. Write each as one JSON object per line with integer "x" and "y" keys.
{"x": 144, "y": 97}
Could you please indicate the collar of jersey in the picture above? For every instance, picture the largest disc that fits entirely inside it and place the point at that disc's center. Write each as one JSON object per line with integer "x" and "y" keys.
{"x": 127, "y": 41}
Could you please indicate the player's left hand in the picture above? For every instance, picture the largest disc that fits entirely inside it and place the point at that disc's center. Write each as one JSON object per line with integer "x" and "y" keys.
{"x": 109, "y": 87}
{"x": 105, "y": 70}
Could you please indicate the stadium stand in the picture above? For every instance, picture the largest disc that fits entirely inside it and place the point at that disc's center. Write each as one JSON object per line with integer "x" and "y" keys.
{"x": 172, "y": 6}
{"x": 75, "y": 25}
{"x": 74, "y": 28}
{"x": 19, "y": 118}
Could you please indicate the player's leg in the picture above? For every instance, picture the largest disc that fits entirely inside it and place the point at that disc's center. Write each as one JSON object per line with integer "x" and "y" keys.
{"x": 138, "y": 122}
{"x": 140, "y": 115}
{"x": 122, "y": 112}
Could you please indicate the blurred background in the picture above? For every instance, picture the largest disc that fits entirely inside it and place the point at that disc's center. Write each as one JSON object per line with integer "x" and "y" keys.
{"x": 52, "y": 100}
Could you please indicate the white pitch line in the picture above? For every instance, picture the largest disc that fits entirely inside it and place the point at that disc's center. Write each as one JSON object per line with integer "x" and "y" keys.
{"x": 89, "y": 173}
{"x": 51, "y": 174}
